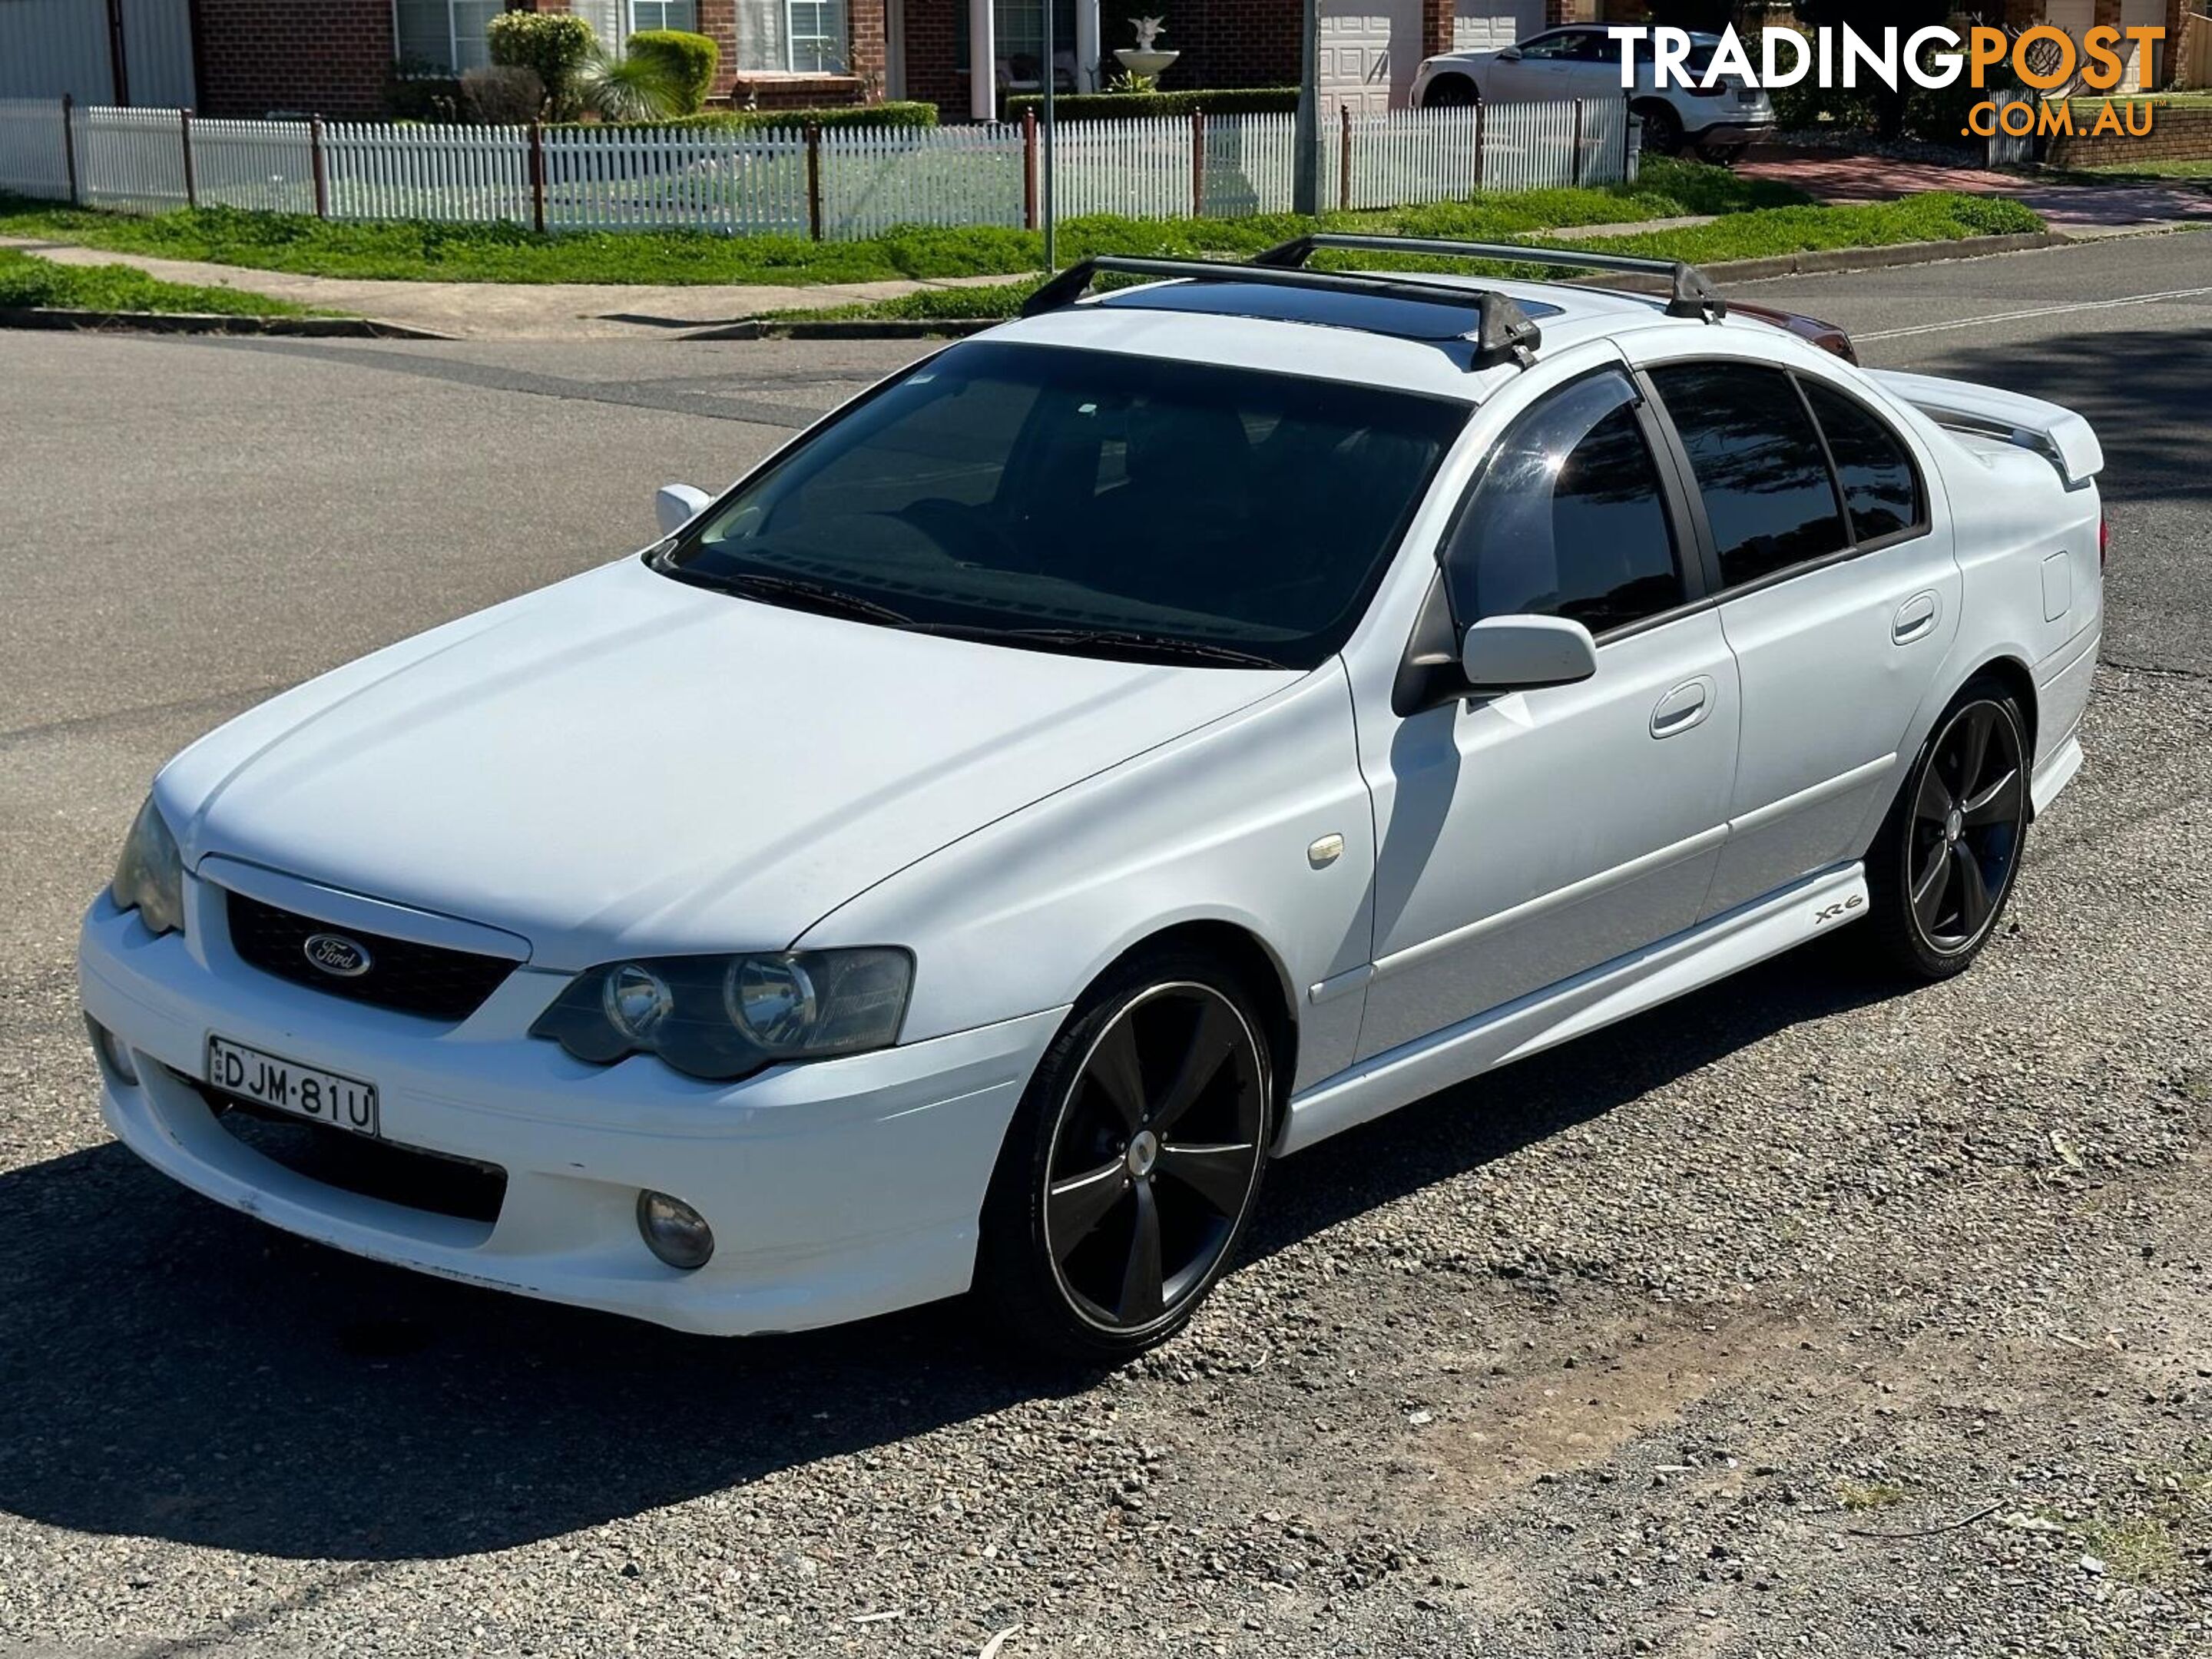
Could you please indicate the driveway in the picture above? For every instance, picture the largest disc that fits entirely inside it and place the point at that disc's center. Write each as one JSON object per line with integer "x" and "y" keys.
{"x": 2078, "y": 210}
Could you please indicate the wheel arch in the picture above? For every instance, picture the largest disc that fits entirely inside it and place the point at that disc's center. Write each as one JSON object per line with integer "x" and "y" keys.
{"x": 2014, "y": 675}
{"x": 1257, "y": 966}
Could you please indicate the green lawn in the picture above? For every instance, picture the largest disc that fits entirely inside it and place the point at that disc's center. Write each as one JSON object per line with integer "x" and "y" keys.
{"x": 26, "y": 281}
{"x": 510, "y": 253}
{"x": 2148, "y": 170}
{"x": 1940, "y": 216}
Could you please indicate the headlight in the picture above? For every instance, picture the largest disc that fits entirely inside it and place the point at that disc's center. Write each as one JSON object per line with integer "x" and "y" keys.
{"x": 727, "y": 1016}
{"x": 149, "y": 877}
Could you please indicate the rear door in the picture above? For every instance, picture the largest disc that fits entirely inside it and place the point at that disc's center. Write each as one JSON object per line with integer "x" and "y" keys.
{"x": 1837, "y": 591}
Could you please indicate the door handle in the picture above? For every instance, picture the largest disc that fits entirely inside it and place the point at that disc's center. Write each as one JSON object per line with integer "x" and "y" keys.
{"x": 1915, "y": 618}
{"x": 1683, "y": 706}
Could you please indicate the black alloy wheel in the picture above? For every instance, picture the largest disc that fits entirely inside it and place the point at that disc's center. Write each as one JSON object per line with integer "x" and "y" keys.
{"x": 1133, "y": 1165}
{"x": 1662, "y": 128}
{"x": 1947, "y": 857}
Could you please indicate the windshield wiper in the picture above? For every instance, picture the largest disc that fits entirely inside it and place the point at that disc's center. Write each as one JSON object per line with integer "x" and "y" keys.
{"x": 1111, "y": 640}
{"x": 809, "y": 596}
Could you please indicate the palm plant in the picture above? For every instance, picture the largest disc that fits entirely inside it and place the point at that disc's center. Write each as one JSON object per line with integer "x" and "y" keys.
{"x": 626, "y": 88}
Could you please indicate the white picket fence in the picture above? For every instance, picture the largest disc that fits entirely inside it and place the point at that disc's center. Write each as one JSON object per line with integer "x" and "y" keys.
{"x": 838, "y": 183}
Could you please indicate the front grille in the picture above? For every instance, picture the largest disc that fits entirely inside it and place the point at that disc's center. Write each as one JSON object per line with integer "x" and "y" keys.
{"x": 456, "y": 1186}
{"x": 415, "y": 979}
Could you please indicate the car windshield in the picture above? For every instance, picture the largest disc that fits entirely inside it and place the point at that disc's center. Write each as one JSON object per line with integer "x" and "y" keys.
{"x": 1084, "y": 501}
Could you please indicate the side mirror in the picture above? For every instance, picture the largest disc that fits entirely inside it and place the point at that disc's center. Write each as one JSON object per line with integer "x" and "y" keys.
{"x": 1509, "y": 54}
{"x": 677, "y": 505}
{"x": 1520, "y": 654}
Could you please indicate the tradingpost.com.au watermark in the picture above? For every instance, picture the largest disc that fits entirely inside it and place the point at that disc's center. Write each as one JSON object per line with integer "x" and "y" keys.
{"x": 2044, "y": 58}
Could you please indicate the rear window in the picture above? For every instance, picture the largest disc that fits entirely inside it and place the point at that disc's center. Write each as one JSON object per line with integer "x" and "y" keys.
{"x": 1058, "y": 498}
{"x": 1881, "y": 489}
{"x": 1759, "y": 466}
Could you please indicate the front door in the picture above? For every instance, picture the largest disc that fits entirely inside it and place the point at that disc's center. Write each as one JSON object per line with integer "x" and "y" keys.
{"x": 1838, "y": 596}
{"x": 1524, "y": 838}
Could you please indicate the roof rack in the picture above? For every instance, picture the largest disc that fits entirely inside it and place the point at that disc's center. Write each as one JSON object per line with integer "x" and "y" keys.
{"x": 1502, "y": 333}
{"x": 1693, "y": 293}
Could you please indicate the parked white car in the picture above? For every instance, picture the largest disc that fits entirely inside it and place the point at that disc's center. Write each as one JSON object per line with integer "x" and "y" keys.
{"x": 1145, "y": 739}
{"x": 1584, "y": 62}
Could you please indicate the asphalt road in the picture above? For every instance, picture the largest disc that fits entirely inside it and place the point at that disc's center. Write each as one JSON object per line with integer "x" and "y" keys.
{"x": 1798, "y": 1318}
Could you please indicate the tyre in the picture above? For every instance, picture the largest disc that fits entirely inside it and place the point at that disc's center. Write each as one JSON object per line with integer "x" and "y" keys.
{"x": 1944, "y": 863}
{"x": 1450, "y": 92}
{"x": 1721, "y": 156}
{"x": 1133, "y": 1162}
{"x": 1663, "y": 128}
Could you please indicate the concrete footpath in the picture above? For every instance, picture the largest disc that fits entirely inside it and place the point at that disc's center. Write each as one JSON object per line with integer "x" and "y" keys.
{"x": 504, "y": 310}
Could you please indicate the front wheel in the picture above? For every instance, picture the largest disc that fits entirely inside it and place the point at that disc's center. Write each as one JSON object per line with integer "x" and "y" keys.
{"x": 1450, "y": 92}
{"x": 1945, "y": 862}
{"x": 1133, "y": 1162}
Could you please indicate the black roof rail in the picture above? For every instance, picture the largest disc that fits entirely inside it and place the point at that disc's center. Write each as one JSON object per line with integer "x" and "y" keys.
{"x": 1504, "y": 332}
{"x": 1693, "y": 293}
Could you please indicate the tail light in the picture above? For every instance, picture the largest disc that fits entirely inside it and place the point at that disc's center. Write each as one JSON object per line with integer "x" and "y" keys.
{"x": 2103, "y": 542}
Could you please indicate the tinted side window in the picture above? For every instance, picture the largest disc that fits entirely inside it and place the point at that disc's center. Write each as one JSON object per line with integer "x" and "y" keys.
{"x": 1879, "y": 487}
{"x": 1546, "y": 47}
{"x": 1568, "y": 518}
{"x": 1758, "y": 462}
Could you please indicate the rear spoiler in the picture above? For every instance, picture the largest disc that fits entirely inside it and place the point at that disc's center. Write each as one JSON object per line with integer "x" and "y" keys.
{"x": 2059, "y": 436}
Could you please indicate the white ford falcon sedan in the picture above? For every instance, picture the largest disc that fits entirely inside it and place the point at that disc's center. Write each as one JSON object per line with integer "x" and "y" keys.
{"x": 1128, "y": 745}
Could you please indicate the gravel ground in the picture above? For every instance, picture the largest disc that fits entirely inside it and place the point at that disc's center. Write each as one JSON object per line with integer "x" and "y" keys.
{"x": 1797, "y": 1317}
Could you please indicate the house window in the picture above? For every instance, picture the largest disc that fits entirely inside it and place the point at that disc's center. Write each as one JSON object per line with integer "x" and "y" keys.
{"x": 613, "y": 22}
{"x": 1018, "y": 32}
{"x": 447, "y": 35}
{"x": 664, "y": 15}
{"x": 788, "y": 37}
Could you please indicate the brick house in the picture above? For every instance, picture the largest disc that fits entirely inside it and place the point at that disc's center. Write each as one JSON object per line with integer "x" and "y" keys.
{"x": 335, "y": 58}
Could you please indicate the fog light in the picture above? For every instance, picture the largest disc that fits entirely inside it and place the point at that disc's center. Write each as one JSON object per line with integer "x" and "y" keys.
{"x": 673, "y": 1231}
{"x": 114, "y": 1059}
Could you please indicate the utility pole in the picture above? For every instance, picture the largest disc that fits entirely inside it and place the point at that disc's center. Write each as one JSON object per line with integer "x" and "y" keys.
{"x": 1051, "y": 75}
{"x": 1305, "y": 160}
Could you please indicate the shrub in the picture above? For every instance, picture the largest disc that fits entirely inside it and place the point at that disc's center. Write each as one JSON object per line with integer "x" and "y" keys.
{"x": 1136, "y": 106}
{"x": 418, "y": 90}
{"x": 502, "y": 94}
{"x": 634, "y": 88}
{"x": 688, "y": 60}
{"x": 552, "y": 44}
{"x": 848, "y": 115}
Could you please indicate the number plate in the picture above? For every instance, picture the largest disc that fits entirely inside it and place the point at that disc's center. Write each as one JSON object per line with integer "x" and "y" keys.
{"x": 288, "y": 1086}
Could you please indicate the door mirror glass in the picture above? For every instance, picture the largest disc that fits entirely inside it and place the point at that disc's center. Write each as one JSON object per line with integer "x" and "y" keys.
{"x": 677, "y": 505}
{"x": 1519, "y": 653}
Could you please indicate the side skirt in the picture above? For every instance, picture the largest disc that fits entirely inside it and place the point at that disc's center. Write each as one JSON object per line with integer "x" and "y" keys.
{"x": 1542, "y": 1019}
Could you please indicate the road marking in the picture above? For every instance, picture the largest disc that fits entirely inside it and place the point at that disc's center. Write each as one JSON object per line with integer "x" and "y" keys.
{"x": 2039, "y": 311}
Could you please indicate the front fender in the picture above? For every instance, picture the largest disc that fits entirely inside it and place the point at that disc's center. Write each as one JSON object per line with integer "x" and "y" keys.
{"x": 1218, "y": 826}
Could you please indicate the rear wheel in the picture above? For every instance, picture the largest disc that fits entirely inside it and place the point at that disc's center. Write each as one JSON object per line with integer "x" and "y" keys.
{"x": 1945, "y": 862}
{"x": 1721, "y": 156}
{"x": 1133, "y": 1162}
{"x": 1662, "y": 128}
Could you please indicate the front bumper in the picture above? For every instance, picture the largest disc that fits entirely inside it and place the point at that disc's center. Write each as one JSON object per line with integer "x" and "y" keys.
{"x": 836, "y": 1190}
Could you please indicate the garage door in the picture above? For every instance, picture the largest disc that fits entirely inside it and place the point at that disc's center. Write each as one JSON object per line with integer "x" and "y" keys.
{"x": 1368, "y": 50}
{"x": 2141, "y": 61}
{"x": 1486, "y": 25}
{"x": 2077, "y": 16}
